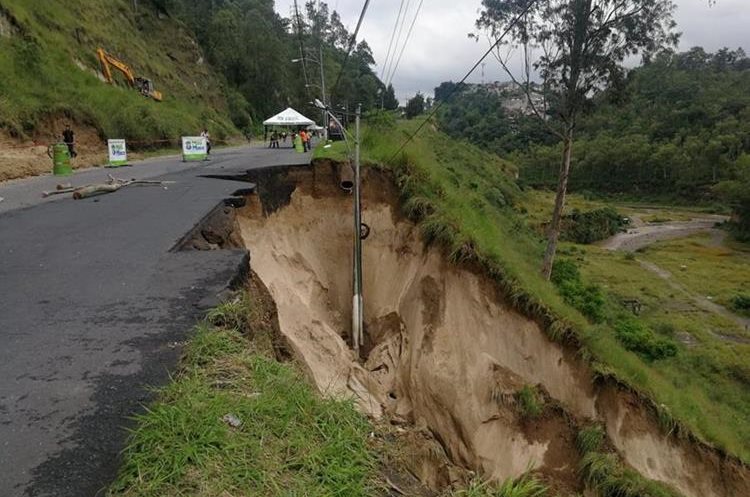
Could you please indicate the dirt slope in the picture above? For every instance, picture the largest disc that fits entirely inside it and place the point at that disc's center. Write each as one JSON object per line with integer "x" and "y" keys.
{"x": 443, "y": 349}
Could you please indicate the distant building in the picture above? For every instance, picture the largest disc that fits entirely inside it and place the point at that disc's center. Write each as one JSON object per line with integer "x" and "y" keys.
{"x": 514, "y": 99}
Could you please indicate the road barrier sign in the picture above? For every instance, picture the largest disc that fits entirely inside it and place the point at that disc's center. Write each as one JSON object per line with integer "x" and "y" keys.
{"x": 118, "y": 153}
{"x": 194, "y": 148}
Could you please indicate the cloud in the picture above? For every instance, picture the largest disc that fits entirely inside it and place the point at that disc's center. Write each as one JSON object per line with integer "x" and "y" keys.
{"x": 439, "y": 49}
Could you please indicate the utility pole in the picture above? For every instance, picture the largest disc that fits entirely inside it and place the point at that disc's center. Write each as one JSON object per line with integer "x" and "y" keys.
{"x": 323, "y": 90}
{"x": 357, "y": 302}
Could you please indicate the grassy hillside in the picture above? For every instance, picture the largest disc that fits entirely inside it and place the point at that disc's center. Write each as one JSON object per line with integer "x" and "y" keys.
{"x": 48, "y": 69}
{"x": 465, "y": 200}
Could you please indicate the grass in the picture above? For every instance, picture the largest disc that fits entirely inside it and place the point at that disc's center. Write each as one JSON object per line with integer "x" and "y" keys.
{"x": 717, "y": 271}
{"x": 47, "y": 69}
{"x": 525, "y": 486}
{"x": 604, "y": 472}
{"x": 530, "y": 403}
{"x": 290, "y": 441}
{"x": 466, "y": 201}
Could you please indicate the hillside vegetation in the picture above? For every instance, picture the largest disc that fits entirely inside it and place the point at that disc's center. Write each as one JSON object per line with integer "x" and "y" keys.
{"x": 49, "y": 70}
{"x": 267, "y": 75}
{"x": 675, "y": 128}
{"x": 466, "y": 200}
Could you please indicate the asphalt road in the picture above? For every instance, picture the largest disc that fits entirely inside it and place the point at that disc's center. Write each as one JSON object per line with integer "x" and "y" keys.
{"x": 94, "y": 307}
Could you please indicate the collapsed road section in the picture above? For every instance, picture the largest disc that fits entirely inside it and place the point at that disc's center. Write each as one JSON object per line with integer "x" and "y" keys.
{"x": 94, "y": 307}
{"x": 443, "y": 348}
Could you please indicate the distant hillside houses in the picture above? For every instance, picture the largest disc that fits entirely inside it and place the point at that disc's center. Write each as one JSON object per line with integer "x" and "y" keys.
{"x": 513, "y": 98}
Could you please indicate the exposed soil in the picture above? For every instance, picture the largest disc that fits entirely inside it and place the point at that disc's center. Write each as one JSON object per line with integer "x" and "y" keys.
{"x": 19, "y": 159}
{"x": 444, "y": 351}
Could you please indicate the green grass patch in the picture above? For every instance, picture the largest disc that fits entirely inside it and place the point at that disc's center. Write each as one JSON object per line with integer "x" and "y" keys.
{"x": 289, "y": 442}
{"x": 525, "y": 486}
{"x": 530, "y": 402}
{"x": 610, "y": 478}
{"x": 719, "y": 271}
{"x": 604, "y": 472}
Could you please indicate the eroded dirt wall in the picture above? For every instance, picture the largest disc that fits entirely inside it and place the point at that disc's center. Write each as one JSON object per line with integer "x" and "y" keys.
{"x": 442, "y": 349}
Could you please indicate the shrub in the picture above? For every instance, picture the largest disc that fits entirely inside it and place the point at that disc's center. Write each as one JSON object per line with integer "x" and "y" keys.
{"x": 741, "y": 303}
{"x": 638, "y": 338}
{"x": 589, "y": 299}
{"x": 592, "y": 226}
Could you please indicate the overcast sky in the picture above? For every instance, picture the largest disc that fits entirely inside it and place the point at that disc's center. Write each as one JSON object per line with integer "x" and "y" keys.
{"x": 439, "y": 49}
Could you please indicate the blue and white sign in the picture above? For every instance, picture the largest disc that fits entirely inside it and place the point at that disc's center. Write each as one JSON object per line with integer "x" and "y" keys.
{"x": 118, "y": 152}
{"x": 194, "y": 148}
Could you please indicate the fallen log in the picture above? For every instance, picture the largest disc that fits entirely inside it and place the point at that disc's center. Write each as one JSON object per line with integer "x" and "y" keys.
{"x": 93, "y": 190}
{"x": 58, "y": 191}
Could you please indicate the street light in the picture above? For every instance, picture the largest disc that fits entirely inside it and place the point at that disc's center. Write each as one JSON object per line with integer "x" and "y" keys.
{"x": 357, "y": 301}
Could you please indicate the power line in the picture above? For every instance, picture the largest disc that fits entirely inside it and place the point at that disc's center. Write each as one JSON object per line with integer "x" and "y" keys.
{"x": 352, "y": 42}
{"x": 463, "y": 80}
{"x": 406, "y": 42}
{"x": 390, "y": 44}
{"x": 398, "y": 39}
{"x": 301, "y": 47}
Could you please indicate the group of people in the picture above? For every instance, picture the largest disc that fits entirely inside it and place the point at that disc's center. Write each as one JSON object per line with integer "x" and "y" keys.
{"x": 305, "y": 138}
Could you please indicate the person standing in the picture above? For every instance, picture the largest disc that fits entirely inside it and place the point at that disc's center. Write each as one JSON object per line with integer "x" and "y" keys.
{"x": 303, "y": 136}
{"x": 69, "y": 138}
{"x": 205, "y": 134}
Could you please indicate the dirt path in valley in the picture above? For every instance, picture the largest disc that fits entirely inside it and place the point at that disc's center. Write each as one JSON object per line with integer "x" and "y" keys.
{"x": 642, "y": 235}
{"x": 645, "y": 234}
{"x": 701, "y": 302}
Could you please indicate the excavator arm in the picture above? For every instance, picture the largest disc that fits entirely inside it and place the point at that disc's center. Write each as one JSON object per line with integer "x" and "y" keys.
{"x": 141, "y": 84}
{"x": 106, "y": 60}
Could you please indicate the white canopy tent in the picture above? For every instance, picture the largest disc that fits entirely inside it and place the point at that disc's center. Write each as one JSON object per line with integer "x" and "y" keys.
{"x": 288, "y": 117}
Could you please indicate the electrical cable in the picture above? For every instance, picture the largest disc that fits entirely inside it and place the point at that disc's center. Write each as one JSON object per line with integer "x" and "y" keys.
{"x": 406, "y": 42}
{"x": 352, "y": 42}
{"x": 463, "y": 80}
{"x": 390, "y": 44}
{"x": 398, "y": 38}
{"x": 301, "y": 48}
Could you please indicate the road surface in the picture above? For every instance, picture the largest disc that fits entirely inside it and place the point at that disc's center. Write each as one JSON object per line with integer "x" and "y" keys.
{"x": 94, "y": 307}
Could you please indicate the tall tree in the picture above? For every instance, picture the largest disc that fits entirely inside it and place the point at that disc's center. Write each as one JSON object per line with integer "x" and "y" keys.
{"x": 389, "y": 100}
{"x": 415, "y": 106}
{"x": 581, "y": 46}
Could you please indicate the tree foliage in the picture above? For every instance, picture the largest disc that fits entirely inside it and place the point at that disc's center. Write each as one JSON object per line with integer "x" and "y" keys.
{"x": 581, "y": 46}
{"x": 415, "y": 106}
{"x": 253, "y": 48}
{"x": 389, "y": 100}
{"x": 678, "y": 125}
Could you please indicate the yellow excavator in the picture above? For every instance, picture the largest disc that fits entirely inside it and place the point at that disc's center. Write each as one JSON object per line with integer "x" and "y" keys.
{"x": 143, "y": 85}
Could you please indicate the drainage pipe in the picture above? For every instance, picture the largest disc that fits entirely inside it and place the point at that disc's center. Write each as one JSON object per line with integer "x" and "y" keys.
{"x": 346, "y": 176}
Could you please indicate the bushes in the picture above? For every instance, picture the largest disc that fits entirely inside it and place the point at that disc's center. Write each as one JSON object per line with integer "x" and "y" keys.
{"x": 588, "y": 299}
{"x": 638, "y": 338}
{"x": 592, "y": 226}
{"x": 741, "y": 303}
